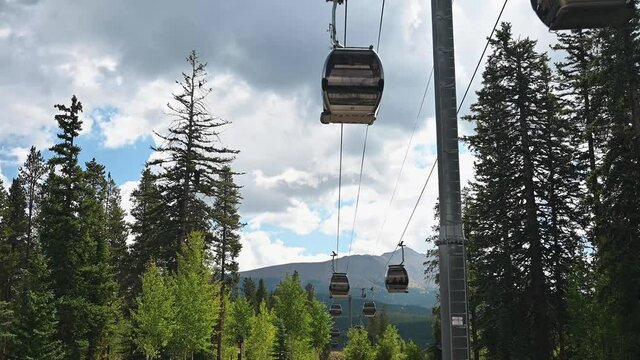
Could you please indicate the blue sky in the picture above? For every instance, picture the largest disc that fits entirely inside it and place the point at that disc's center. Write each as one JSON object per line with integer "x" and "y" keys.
{"x": 121, "y": 59}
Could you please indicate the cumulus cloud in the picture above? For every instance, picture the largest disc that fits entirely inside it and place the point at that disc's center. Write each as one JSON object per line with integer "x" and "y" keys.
{"x": 259, "y": 250}
{"x": 121, "y": 59}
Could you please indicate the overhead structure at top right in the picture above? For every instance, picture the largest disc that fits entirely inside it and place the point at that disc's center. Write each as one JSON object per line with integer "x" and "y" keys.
{"x": 583, "y": 14}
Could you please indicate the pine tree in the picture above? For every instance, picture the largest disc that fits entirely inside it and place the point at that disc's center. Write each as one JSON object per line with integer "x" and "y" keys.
{"x": 116, "y": 233}
{"x": 189, "y": 162}
{"x": 14, "y": 234}
{"x": 226, "y": 241}
{"x": 520, "y": 216}
{"x": 196, "y": 306}
{"x": 262, "y": 295}
{"x": 146, "y": 230}
{"x": 618, "y": 226}
{"x": 249, "y": 292}
{"x": 72, "y": 234}
{"x": 32, "y": 175}
{"x": 154, "y": 317}
{"x": 36, "y": 313}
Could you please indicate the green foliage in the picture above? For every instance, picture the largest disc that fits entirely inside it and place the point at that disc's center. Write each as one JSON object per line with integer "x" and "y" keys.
{"x": 262, "y": 335}
{"x": 390, "y": 345}
{"x": 321, "y": 323}
{"x": 249, "y": 292}
{"x": 196, "y": 304}
{"x": 32, "y": 175}
{"x": 290, "y": 305}
{"x": 36, "y": 314}
{"x": 358, "y": 346}
{"x": 262, "y": 295}
{"x": 377, "y": 325}
{"x": 7, "y": 334}
{"x": 154, "y": 318}
{"x": 412, "y": 351}
{"x": 238, "y": 322}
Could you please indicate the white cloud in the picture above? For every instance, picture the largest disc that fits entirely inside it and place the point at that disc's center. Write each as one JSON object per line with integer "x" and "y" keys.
{"x": 259, "y": 250}
{"x": 126, "y": 201}
{"x": 289, "y": 177}
{"x": 297, "y": 218}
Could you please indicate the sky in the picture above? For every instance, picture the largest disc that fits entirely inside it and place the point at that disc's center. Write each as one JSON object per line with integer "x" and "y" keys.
{"x": 121, "y": 59}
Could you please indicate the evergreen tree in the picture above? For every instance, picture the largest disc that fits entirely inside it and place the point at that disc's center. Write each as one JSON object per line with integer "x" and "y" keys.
{"x": 32, "y": 174}
{"x": 154, "y": 317}
{"x": 72, "y": 233}
{"x": 60, "y": 227}
{"x": 618, "y": 226}
{"x": 116, "y": 233}
{"x": 262, "y": 295}
{"x": 521, "y": 219}
{"x": 358, "y": 346}
{"x": 14, "y": 235}
{"x": 7, "y": 324}
{"x": 377, "y": 325}
{"x": 189, "y": 161}
{"x": 196, "y": 306}
{"x": 280, "y": 348}
{"x": 36, "y": 313}
{"x": 226, "y": 240}
{"x": 249, "y": 292}
{"x": 146, "y": 229}
{"x": 262, "y": 335}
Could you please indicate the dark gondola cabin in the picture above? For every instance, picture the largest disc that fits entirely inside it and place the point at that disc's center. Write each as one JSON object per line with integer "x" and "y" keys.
{"x": 397, "y": 279}
{"x": 352, "y": 86}
{"x": 583, "y": 14}
{"x": 339, "y": 285}
{"x": 369, "y": 309}
{"x": 335, "y": 333}
{"x": 335, "y": 310}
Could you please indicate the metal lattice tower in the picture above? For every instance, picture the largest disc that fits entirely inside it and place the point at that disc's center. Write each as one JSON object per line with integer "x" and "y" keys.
{"x": 451, "y": 242}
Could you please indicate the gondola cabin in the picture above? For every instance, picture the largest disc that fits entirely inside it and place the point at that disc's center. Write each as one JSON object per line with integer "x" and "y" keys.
{"x": 335, "y": 310}
{"x": 583, "y": 14}
{"x": 397, "y": 279}
{"x": 352, "y": 86}
{"x": 339, "y": 285}
{"x": 369, "y": 309}
{"x": 335, "y": 333}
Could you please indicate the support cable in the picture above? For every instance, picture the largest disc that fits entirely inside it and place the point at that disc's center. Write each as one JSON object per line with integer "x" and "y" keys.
{"x": 457, "y": 112}
{"x": 355, "y": 214}
{"x": 482, "y": 56}
{"x": 339, "y": 193}
{"x": 380, "y": 26}
{"x": 406, "y": 153}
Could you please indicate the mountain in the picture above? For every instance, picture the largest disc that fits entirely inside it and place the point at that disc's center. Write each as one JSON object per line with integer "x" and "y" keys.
{"x": 364, "y": 271}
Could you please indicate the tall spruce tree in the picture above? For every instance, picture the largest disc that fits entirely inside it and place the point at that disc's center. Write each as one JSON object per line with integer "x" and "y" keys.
{"x": 116, "y": 233}
{"x": 32, "y": 175}
{"x": 226, "y": 241}
{"x": 521, "y": 221}
{"x": 36, "y": 313}
{"x": 72, "y": 234}
{"x": 146, "y": 230}
{"x": 190, "y": 159}
{"x": 618, "y": 226}
{"x": 15, "y": 235}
